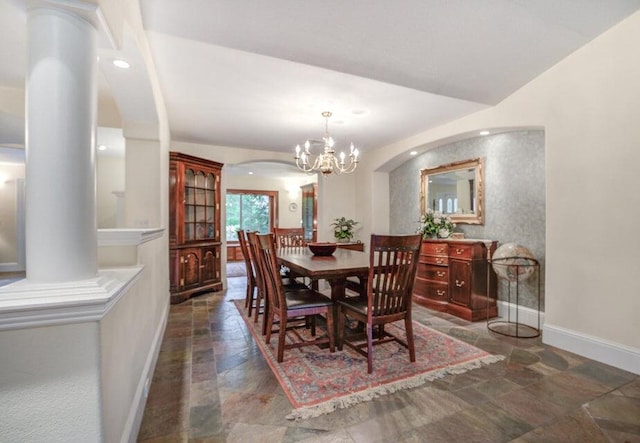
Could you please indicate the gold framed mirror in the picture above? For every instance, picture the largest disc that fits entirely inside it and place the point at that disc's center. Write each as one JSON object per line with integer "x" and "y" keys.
{"x": 455, "y": 189}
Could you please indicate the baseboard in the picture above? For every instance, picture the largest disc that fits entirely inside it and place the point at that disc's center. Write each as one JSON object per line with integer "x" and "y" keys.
{"x": 134, "y": 420}
{"x": 526, "y": 316}
{"x": 604, "y": 351}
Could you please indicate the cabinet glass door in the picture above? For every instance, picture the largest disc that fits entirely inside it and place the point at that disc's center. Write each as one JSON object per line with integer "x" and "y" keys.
{"x": 199, "y": 206}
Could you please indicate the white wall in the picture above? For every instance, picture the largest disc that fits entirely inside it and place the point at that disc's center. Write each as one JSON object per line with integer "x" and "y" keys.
{"x": 49, "y": 384}
{"x": 144, "y": 184}
{"x": 130, "y": 338}
{"x": 109, "y": 179}
{"x": 288, "y": 192}
{"x": 587, "y": 105}
{"x": 336, "y": 198}
{"x": 9, "y": 176}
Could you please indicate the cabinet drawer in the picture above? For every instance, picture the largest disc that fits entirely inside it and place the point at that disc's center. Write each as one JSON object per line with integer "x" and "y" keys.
{"x": 431, "y": 290}
{"x": 434, "y": 260}
{"x": 436, "y": 292}
{"x": 434, "y": 248}
{"x": 464, "y": 252}
{"x": 433, "y": 272}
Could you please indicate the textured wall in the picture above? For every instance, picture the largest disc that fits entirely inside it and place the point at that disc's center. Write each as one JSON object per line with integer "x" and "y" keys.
{"x": 514, "y": 203}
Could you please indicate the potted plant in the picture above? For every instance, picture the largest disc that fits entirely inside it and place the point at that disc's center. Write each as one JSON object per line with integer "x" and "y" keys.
{"x": 343, "y": 229}
{"x": 434, "y": 224}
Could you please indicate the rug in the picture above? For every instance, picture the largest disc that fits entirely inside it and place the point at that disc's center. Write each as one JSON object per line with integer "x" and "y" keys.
{"x": 318, "y": 382}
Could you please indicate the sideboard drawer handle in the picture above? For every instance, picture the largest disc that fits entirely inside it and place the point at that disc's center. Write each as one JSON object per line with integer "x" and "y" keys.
{"x": 440, "y": 274}
{"x": 439, "y": 261}
{"x": 440, "y": 292}
{"x": 459, "y": 251}
{"x": 459, "y": 284}
{"x": 439, "y": 249}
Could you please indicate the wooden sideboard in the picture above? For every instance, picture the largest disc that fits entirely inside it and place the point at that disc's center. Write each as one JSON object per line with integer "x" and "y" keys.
{"x": 354, "y": 246}
{"x": 454, "y": 276}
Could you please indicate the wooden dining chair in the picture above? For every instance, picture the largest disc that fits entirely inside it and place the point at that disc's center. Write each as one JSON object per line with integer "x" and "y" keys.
{"x": 393, "y": 261}
{"x": 252, "y": 285}
{"x": 289, "y": 237}
{"x": 289, "y": 306}
{"x": 261, "y": 300}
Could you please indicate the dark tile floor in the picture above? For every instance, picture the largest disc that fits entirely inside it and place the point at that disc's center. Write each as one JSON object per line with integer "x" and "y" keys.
{"x": 211, "y": 384}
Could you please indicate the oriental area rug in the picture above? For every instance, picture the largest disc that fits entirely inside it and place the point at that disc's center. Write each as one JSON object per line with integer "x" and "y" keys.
{"x": 318, "y": 382}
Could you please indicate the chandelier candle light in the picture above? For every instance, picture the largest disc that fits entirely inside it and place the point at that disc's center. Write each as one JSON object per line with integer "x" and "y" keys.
{"x": 327, "y": 161}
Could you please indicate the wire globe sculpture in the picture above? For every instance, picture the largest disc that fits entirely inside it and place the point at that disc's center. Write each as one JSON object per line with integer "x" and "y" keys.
{"x": 513, "y": 262}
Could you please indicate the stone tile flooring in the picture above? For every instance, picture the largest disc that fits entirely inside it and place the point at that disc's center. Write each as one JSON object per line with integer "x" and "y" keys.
{"x": 211, "y": 384}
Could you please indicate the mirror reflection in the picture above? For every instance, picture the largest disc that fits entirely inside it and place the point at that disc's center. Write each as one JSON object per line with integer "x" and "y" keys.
{"x": 454, "y": 189}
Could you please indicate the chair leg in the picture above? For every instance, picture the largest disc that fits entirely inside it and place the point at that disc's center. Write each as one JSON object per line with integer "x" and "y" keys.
{"x": 269, "y": 320}
{"x": 369, "y": 348}
{"x": 281, "y": 336}
{"x": 341, "y": 317}
{"x": 258, "y": 300}
{"x": 249, "y": 302}
{"x": 408, "y": 326}
{"x": 312, "y": 320}
{"x": 330, "y": 329}
{"x": 266, "y": 313}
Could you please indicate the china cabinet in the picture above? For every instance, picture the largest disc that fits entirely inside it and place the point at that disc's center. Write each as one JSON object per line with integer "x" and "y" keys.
{"x": 194, "y": 226}
{"x": 455, "y": 276}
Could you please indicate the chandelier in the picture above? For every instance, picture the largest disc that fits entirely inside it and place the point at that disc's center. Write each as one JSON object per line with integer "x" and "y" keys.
{"x": 326, "y": 162}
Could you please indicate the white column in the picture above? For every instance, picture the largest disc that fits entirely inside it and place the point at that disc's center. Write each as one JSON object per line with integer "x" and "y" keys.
{"x": 61, "y": 84}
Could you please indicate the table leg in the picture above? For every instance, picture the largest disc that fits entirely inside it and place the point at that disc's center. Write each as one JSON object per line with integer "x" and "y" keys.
{"x": 337, "y": 293}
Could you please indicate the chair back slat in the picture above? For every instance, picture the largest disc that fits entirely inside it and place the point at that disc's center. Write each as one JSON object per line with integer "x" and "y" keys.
{"x": 289, "y": 237}
{"x": 248, "y": 259}
{"x": 393, "y": 264}
{"x": 271, "y": 271}
{"x": 253, "y": 246}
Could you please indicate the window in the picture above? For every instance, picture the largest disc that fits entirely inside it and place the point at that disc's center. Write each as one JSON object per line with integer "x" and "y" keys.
{"x": 250, "y": 210}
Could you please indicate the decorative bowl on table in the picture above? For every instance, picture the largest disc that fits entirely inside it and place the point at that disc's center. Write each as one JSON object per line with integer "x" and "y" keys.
{"x": 322, "y": 249}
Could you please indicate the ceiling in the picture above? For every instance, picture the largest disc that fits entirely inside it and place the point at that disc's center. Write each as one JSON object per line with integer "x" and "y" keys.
{"x": 258, "y": 75}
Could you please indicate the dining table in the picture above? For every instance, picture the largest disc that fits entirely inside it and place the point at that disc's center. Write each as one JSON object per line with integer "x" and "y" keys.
{"x": 334, "y": 268}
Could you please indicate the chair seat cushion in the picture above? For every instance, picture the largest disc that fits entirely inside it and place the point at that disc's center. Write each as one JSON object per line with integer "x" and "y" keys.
{"x": 306, "y": 299}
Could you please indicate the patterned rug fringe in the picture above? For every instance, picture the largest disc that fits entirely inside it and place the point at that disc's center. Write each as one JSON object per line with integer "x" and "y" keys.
{"x": 378, "y": 391}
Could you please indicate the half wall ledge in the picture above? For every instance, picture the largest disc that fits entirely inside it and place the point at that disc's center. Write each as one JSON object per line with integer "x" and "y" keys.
{"x": 24, "y": 304}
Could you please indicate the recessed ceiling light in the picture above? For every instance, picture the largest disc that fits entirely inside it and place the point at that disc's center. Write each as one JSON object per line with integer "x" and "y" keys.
{"x": 121, "y": 64}
{"x": 102, "y": 148}
{"x": 250, "y": 172}
{"x": 413, "y": 153}
{"x": 484, "y": 133}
